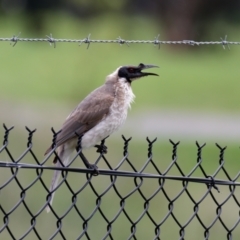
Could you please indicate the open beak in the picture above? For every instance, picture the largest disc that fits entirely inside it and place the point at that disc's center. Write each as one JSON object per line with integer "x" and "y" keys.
{"x": 143, "y": 67}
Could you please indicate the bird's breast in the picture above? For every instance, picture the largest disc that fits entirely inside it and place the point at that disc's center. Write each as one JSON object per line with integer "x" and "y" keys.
{"x": 114, "y": 119}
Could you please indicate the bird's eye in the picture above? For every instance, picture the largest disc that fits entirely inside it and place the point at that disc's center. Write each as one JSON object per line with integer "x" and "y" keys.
{"x": 131, "y": 70}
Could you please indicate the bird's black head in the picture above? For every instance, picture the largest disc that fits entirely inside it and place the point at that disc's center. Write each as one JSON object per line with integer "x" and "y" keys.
{"x": 132, "y": 72}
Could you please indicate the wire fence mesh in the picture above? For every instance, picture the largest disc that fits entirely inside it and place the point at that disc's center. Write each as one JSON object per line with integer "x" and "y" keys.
{"x": 141, "y": 203}
{"x": 87, "y": 40}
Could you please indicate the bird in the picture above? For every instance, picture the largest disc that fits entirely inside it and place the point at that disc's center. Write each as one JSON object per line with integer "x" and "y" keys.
{"x": 96, "y": 117}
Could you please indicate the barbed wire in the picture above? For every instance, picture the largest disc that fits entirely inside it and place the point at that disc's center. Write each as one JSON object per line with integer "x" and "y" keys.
{"x": 87, "y": 40}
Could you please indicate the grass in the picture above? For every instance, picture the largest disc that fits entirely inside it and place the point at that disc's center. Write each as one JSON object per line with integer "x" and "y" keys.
{"x": 35, "y": 73}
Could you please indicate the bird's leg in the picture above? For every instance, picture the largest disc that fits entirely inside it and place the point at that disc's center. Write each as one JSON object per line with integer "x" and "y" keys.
{"x": 89, "y": 165}
{"x": 101, "y": 148}
{"x": 84, "y": 159}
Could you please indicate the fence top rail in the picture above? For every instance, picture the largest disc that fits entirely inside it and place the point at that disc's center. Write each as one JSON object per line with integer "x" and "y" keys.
{"x": 209, "y": 180}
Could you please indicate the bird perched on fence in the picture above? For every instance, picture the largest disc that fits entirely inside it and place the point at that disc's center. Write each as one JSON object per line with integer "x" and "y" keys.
{"x": 100, "y": 114}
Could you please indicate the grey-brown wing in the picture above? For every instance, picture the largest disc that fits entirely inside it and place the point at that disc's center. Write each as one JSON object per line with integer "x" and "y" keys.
{"x": 88, "y": 114}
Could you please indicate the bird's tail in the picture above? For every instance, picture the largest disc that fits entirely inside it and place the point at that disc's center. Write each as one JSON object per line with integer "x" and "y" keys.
{"x": 64, "y": 155}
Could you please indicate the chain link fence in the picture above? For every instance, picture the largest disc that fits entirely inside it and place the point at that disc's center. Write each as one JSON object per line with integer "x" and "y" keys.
{"x": 122, "y": 202}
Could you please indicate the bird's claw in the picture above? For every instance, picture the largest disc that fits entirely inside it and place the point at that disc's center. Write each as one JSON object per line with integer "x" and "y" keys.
{"x": 94, "y": 167}
{"x": 101, "y": 148}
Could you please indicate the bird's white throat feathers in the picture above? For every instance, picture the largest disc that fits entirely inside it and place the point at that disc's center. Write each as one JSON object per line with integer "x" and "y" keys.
{"x": 124, "y": 93}
{"x": 123, "y": 90}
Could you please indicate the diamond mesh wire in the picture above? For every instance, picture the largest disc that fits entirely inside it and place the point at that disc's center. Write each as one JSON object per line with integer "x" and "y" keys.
{"x": 122, "y": 202}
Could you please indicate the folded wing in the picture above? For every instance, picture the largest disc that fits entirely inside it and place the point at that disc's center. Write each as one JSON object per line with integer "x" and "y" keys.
{"x": 93, "y": 109}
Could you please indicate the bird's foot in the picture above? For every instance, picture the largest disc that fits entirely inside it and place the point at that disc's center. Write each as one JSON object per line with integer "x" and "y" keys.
{"x": 89, "y": 165}
{"x": 94, "y": 167}
{"x": 101, "y": 148}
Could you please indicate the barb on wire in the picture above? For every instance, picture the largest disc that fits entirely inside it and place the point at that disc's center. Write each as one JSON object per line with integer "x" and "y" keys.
{"x": 122, "y": 41}
{"x": 14, "y": 39}
{"x": 86, "y": 40}
{"x": 225, "y": 42}
{"x": 157, "y": 41}
{"x": 51, "y": 40}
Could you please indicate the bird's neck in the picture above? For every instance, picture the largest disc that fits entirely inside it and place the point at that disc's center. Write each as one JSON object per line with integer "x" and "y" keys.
{"x": 124, "y": 93}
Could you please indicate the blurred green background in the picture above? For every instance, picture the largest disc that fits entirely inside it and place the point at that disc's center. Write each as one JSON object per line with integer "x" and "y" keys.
{"x": 195, "y": 98}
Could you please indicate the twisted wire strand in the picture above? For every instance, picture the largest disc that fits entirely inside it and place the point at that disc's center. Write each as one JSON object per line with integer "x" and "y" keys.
{"x": 15, "y": 39}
